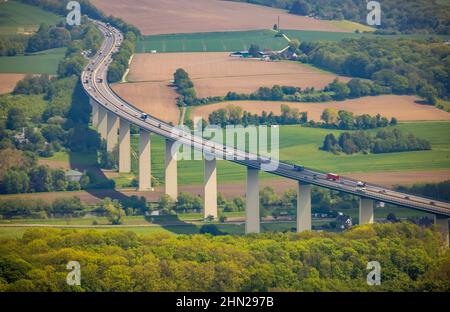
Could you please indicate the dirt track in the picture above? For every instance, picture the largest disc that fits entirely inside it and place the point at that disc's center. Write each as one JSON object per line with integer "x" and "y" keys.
{"x": 188, "y": 16}
{"x": 404, "y": 108}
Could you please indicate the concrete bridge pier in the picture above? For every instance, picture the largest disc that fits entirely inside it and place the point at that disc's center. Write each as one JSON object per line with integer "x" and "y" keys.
{"x": 112, "y": 136}
{"x": 124, "y": 147}
{"x": 366, "y": 211}
{"x": 145, "y": 179}
{"x": 252, "y": 221}
{"x": 304, "y": 207}
{"x": 94, "y": 106}
{"x": 102, "y": 122}
{"x": 442, "y": 224}
{"x": 210, "y": 189}
{"x": 171, "y": 174}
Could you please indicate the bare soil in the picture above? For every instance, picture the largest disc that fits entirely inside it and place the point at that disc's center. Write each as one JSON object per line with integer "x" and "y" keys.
{"x": 8, "y": 82}
{"x": 189, "y": 16}
{"x": 155, "y": 98}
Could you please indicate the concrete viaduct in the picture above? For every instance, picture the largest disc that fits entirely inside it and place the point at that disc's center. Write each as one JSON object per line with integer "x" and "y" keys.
{"x": 112, "y": 117}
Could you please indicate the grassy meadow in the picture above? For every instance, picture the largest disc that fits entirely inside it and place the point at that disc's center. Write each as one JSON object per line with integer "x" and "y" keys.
{"x": 44, "y": 62}
{"x": 18, "y": 18}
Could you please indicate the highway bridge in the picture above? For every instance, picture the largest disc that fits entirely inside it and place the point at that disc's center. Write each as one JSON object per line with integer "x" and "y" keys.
{"x": 112, "y": 116}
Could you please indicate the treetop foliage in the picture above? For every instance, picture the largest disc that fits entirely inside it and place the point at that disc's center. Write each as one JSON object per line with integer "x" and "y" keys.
{"x": 123, "y": 261}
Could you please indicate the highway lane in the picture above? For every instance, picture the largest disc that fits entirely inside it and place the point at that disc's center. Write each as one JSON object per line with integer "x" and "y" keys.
{"x": 94, "y": 80}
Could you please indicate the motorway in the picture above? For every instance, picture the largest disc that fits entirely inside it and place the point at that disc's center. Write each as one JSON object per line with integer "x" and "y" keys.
{"x": 94, "y": 80}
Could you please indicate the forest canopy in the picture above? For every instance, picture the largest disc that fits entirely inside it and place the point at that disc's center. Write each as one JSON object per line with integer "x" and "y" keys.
{"x": 123, "y": 261}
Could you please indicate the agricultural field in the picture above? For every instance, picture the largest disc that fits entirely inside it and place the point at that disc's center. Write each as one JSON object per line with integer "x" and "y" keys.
{"x": 212, "y": 42}
{"x": 241, "y": 40}
{"x": 18, "y": 18}
{"x": 404, "y": 108}
{"x": 190, "y": 16}
{"x": 213, "y": 74}
{"x": 44, "y": 62}
{"x": 155, "y": 98}
{"x": 8, "y": 82}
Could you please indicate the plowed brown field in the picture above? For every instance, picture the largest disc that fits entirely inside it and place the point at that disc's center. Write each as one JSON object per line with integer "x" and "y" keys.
{"x": 8, "y": 82}
{"x": 155, "y": 98}
{"x": 188, "y": 16}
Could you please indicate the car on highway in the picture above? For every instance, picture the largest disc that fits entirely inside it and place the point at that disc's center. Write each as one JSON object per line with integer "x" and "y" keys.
{"x": 361, "y": 184}
{"x": 144, "y": 116}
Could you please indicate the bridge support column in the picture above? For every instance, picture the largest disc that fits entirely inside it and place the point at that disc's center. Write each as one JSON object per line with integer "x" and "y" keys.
{"x": 145, "y": 179}
{"x": 365, "y": 211}
{"x": 442, "y": 224}
{"x": 112, "y": 136}
{"x": 210, "y": 189}
{"x": 94, "y": 106}
{"x": 171, "y": 176}
{"x": 252, "y": 221}
{"x": 124, "y": 147}
{"x": 102, "y": 122}
{"x": 303, "y": 207}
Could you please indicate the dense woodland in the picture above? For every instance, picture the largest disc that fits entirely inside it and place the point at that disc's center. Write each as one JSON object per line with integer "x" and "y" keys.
{"x": 383, "y": 142}
{"x": 408, "y": 16}
{"x": 439, "y": 190}
{"x": 395, "y": 66}
{"x": 412, "y": 259}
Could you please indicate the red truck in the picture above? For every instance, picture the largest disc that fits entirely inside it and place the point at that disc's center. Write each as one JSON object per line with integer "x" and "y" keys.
{"x": 332, "y": 176}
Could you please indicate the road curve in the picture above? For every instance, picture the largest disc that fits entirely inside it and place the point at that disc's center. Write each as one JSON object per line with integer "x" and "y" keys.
{"x": 94, "y": 80}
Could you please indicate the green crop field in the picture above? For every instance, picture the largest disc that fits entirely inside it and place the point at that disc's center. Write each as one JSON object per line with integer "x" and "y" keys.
{"x": 241, "y": 40}
{"x": 44, "y": 62}
{"x": 211, "y": 42}
{"x": 19, "y": 18}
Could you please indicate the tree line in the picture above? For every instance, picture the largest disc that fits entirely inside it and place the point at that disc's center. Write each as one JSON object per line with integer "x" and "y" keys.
{"x": 383, "y": 142}
{"x": 345, "y": 120}
{"x": 72, "y": 207}
{"x": 439, "y": 190}
{"x": 403, "y": 67}
{"x": 121, "y": 59}
{"x": 235, "y": 115}
{"x": 185, "y": 88}
{"x": 414, "y": 261}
